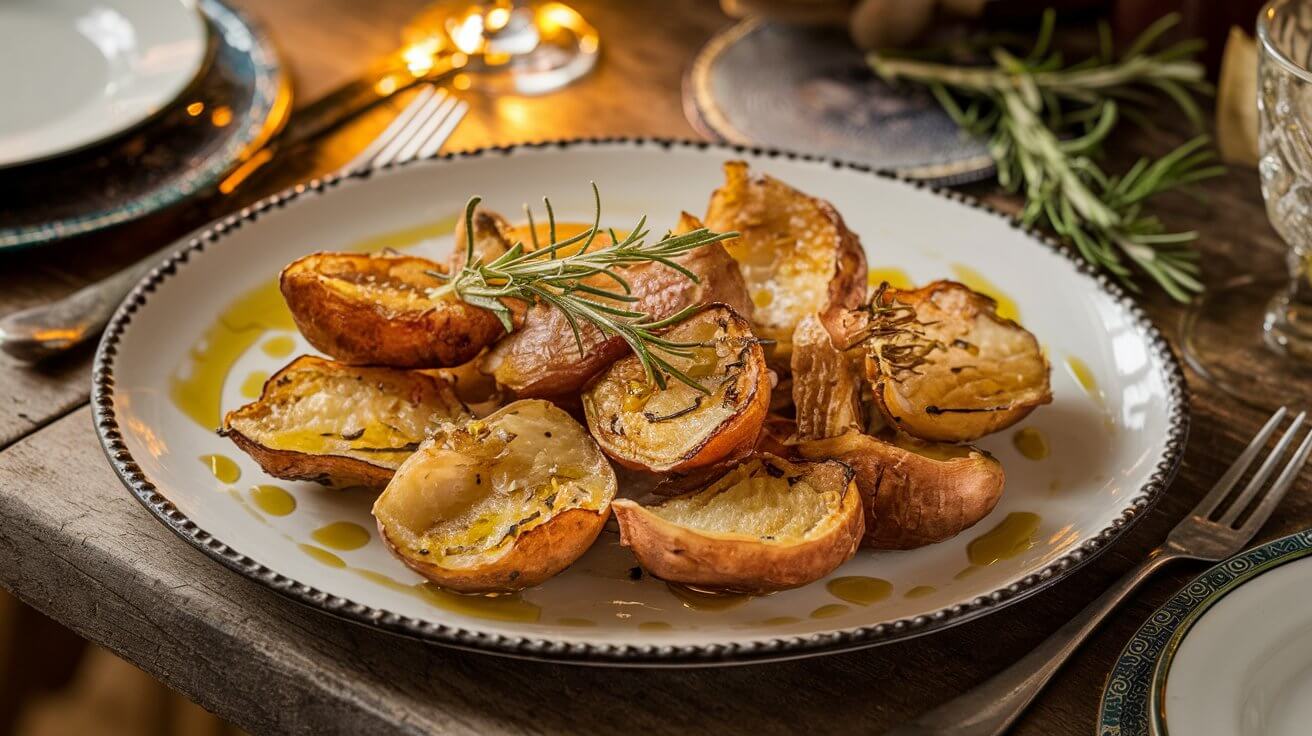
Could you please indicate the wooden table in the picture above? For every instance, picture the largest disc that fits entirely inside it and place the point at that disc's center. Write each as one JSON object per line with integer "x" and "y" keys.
{"x": 79, "y": 548}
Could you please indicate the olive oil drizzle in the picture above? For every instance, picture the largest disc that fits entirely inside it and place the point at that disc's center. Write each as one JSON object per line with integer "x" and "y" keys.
{"x": 223, "y": 468}
{"x": 1030, "y": 443}
{"x": 859, "y": 589}
{"x": 1007, "y": 307}
{"x": 830, "y": 610}
{"x": 895, "y": 277}
{"x": 341, "y": 535}
{"x": 273, "y": 500}
{"x": 1012, "y": 536}
{"x": 706, "y": 600}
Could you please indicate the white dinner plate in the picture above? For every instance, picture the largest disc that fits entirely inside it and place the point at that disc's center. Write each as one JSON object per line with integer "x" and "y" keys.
{"x": 197, "y": 336}
{"x": 75, "y": 72}
{"x": 1241, "y": 663}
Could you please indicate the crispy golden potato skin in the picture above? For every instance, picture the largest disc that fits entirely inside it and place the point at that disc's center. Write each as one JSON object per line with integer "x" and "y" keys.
{"x": 493, "y": 236}
{"x": 537, "y": 555}
{"x": 950, "y": 397}
{"x": 912, "y": 500}
{"x": 791, "y": 245}
{"x": 340, "y": 303}
{"x": 733, "y": 437}
{"x": 679, "y": 554}
{"x": 339, "y": 471}
{"x": 541, "y": 360}
{"x": 826, "y": 385}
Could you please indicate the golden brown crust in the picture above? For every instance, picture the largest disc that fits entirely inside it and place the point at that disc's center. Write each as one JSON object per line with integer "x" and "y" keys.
{"x": 500, "y": 503}
{"x": 706, "y": 560}
{"x": 912, "y": 499}
{"x": 722, "y": 425}
{"x": 368, "y": 309}
{"x": 493, "y": 236}
{"x": 826, "y": 383}
{"x": 798, "y": 256}
{"x": 542, "y": 360}
{"x": 537, "y": 555}
{"x": 331, "y": 467}
{"x": 979, "y": 374}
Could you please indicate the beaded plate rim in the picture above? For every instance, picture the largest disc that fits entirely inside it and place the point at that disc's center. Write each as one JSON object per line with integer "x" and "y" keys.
{"x": 767, "y": 649}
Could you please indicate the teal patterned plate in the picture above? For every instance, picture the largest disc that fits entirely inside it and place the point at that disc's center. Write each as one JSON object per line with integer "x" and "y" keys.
{"x": 1124, "y": 708}
{"x": 239, "y": 101}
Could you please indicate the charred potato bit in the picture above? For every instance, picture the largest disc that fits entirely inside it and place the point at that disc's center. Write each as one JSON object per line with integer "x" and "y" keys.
{"x": 542, "y": 359}
{"x": 340, "y": 425}
{"x": 766, "y": 525}
{"x": 915, "y": 493}
{"x": 382, "y": 310}
{"x": 498, "y": 504}
{"x": 797, "y": 255}
{"x": 679, "y": 428}
{"x": 945, "y": 367}
{"x": 826, "y": 383}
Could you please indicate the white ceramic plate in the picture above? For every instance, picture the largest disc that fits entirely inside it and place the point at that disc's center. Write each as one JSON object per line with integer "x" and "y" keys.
{"x": 75, "y": 72}
{"x": 209, "y": 323}
{"x": 1241, "y": 664}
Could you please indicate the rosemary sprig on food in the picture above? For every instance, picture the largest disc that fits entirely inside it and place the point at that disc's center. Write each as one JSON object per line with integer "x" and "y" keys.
{"x": 568, "y": 281}
{"x": 1045, "y": 124}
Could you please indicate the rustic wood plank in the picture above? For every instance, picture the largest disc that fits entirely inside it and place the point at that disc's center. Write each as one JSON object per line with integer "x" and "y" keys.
{"x": 84, "y": 552}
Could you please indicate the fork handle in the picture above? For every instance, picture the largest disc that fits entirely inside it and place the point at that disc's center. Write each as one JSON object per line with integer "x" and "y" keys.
{"x": 45, "y": 330}
{"x": 992, "y": 706}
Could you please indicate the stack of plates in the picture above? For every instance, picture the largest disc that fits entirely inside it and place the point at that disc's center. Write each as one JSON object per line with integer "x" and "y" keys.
{"x": 1229, "y": 655}
{"x": 117, "y": 108}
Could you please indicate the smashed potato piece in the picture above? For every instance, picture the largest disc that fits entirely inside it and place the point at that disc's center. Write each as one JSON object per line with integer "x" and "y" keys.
{"x": 493, "y": 237}
{"x": 379, "y": 309}
{"x": 542, "y": 359}
{"x": 340, "y": 425}
{"x": 498, "y": 504}
{"x": 826, "y": 383}
{"x": 796, "y": 254}
{"x": 945, "y": 367}
{"x": 679, "y": 428}
{"x": 915, "y": 493}
{"x": 767, "y": 524}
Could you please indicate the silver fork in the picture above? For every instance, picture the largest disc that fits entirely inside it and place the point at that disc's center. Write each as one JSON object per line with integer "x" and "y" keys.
{"x": 50, "y": 329}
{"x": 1211, "y": 532}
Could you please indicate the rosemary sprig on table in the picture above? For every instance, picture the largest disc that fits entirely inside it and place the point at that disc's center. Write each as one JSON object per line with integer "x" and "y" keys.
{"x": 1045, "y": 124}
{"x": 567, "y": 282}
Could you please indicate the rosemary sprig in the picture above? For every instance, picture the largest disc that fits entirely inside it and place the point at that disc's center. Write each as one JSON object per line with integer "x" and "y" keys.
{"x": 544, "y": 275}
{"x": 1045, "y": 124}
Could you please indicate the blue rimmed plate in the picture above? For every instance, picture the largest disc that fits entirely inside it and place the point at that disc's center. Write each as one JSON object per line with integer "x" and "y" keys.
{"x": 239, "y": 101}
{"x": 1190, "y": 665}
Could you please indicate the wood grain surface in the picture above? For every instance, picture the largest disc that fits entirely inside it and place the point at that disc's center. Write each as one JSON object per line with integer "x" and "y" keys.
{"x": 80, "y": 549}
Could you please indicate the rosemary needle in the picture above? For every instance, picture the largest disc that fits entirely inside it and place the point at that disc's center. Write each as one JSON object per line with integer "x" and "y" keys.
{"x": 1045, "y": 122}
{"x": 546, "y": 275}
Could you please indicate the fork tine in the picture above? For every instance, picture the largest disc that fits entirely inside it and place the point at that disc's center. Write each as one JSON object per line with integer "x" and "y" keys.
{"x": 392, "y": 130}
{"x": 391, "y": 152}
{"x": 1278, "y": 490}
{"x": 434, "y": 143}
{"x": 1263, "y": 472}
{"x": 434, "y": 121}
{"x": 1227, "y": 481}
